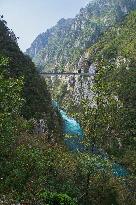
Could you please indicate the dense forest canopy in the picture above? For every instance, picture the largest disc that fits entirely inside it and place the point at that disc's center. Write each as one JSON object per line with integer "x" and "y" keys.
{"x": 38, "y": 167}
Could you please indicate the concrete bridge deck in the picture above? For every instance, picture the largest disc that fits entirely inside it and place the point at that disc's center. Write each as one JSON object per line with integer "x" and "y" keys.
{"x": 65, "y": 74}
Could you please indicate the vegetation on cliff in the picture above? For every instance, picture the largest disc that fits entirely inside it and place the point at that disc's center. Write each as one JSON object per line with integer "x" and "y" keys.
{"x": 39, "y": 168}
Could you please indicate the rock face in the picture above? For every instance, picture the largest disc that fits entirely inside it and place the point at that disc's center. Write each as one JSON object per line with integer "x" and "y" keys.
{"x": 50, "y": 37}
{"x": 61, "y": 47}
{"x": 65, "y": 47}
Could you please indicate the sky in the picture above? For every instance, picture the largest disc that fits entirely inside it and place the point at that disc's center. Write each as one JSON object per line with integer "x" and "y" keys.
{"x": 29, "y": 18}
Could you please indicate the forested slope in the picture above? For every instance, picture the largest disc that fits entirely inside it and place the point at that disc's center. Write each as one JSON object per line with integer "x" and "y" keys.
{"x": 114, "y": 90}
{"x": 39, "y": 168}
{"x": 37, "y": 100}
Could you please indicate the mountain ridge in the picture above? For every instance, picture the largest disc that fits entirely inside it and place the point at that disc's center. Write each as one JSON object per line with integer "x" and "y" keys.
{"x": 62, "y": 46}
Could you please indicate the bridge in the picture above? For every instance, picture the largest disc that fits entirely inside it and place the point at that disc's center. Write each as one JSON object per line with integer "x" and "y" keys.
{"x": 66, "y": 74}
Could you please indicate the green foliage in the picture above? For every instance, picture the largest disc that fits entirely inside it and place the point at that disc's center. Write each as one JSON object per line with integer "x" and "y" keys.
{"x": 37, "y": 100}
{"x": 11, "y": 102}
{"x": 114, "y": 85}
{"x": 34, "y": 170}
{"x": 110, "y": 121}
{"x": 49, "y": 198}
{"x": 10, "y": 106}
{"x": 23, "y": 95}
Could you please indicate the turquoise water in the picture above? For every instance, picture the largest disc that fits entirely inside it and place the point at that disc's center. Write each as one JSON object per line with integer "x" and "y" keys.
{"x": 72, "y": 127}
